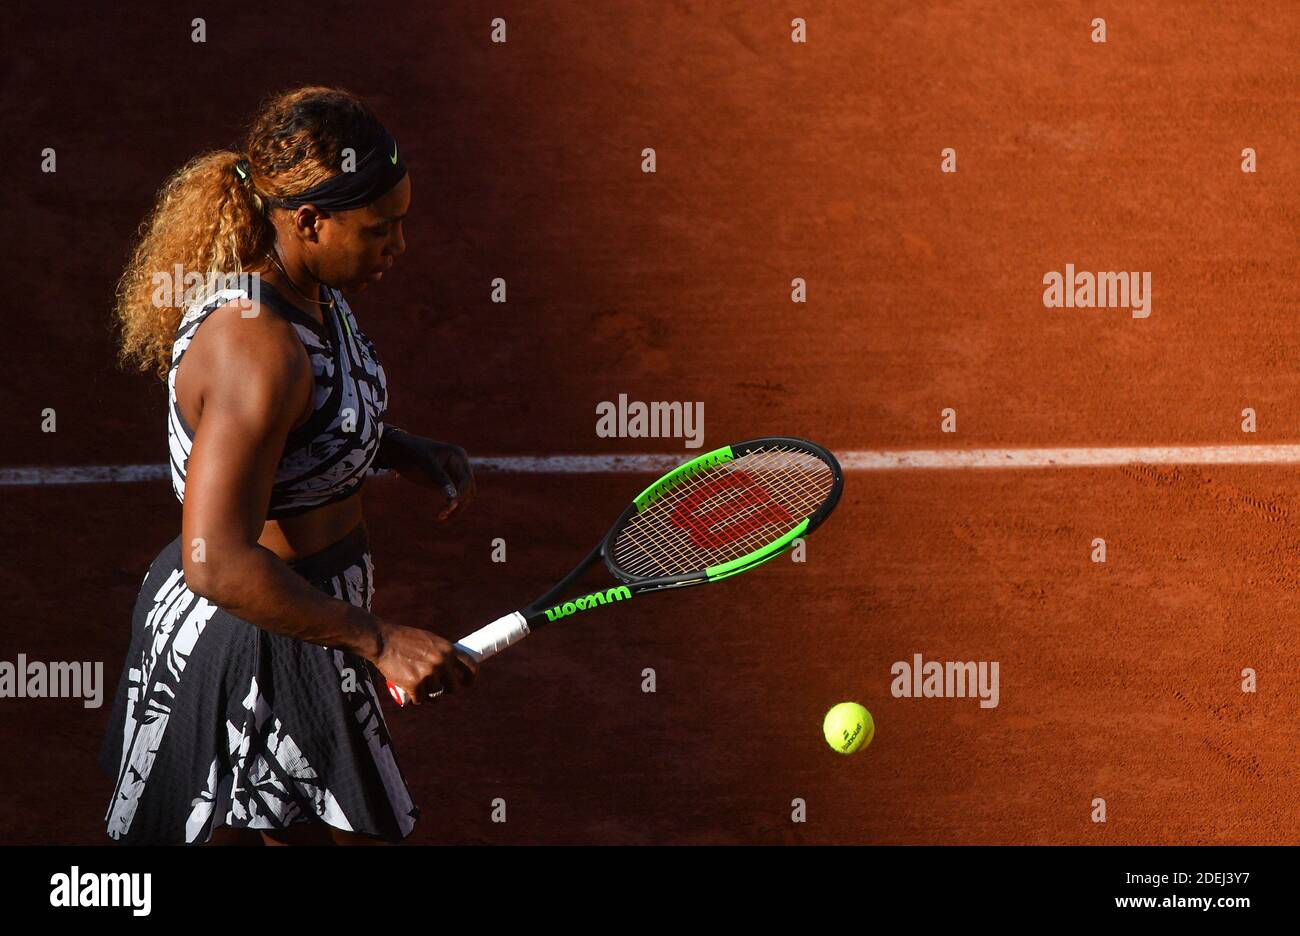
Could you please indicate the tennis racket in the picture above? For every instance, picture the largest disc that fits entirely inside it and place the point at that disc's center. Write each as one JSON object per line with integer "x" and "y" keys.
{"x": 713, "y": 517}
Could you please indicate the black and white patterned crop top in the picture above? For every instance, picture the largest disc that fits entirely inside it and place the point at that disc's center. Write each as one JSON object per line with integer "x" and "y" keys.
{"x": 326, "y": 458}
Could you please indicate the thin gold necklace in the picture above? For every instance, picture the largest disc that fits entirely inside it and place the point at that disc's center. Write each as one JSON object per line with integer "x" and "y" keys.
{"x": 274, "y": 257}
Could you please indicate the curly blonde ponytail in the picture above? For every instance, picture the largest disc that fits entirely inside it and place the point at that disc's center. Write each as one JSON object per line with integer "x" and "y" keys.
{"x": 210, "y": 221}
{"x": 206, "y": 221}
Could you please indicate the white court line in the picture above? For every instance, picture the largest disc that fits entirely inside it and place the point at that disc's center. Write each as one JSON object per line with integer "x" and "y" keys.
{"x": 902, "y": 460}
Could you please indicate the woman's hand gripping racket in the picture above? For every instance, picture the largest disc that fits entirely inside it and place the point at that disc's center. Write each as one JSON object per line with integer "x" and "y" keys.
{"x": 714, "y": 517}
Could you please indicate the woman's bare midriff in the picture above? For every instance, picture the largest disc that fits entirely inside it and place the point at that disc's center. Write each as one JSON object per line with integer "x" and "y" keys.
{"x": 308, "y": 533}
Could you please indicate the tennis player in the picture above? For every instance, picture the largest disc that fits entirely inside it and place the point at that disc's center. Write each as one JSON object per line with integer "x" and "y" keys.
{"x": 248, "y": 709}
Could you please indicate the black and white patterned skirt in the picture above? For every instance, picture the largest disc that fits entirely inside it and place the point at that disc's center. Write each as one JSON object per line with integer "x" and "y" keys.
{"x": 217, "y": 722}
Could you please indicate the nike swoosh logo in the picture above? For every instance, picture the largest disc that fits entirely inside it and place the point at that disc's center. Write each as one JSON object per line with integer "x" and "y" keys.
{"x": 393, "y": 158}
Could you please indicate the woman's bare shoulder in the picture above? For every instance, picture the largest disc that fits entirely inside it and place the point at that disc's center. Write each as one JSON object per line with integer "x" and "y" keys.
{"x": 246, "y": 336}
{"x": 245, "y": 352}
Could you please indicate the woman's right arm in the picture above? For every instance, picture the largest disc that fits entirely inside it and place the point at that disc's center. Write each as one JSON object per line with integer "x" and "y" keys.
{"x": 254, "y": 380}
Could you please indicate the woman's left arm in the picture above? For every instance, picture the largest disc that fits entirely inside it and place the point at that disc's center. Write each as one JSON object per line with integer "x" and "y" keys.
{"x": 439, "y": 465}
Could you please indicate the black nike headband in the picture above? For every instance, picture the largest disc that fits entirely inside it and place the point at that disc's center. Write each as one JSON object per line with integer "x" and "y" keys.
{"x": 376, "y": 172}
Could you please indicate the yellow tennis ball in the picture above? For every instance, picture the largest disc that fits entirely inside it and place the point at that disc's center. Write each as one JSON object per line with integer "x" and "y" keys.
{"x": 848, "y": 727}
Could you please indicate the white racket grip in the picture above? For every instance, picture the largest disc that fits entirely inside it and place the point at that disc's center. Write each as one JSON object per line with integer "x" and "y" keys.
{"x": 491, "y": 639}
{"x": 487, "y": 641}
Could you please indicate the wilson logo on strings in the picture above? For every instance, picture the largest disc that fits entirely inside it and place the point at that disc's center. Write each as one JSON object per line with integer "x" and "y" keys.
{"x": 727, "y": 509}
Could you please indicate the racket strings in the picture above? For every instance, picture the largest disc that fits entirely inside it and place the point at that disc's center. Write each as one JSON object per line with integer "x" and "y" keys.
{"x": 753, "y": 462}
{"x": 770, "y": 478}
{"x": 796, "y": 490}
{"x": 651, "y": 562}
{"x": 724, "y": 512}
{"x": 670, "y": 552}
{"x": 667, "y": 548}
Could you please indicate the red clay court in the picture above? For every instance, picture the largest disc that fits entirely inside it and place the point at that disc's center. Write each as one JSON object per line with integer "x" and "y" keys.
{"x": 775, "y": 160}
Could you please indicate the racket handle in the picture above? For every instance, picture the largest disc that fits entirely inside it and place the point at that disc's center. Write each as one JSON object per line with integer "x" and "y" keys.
{"x": 491, "y": 639}
{"x": 485, "y": 642}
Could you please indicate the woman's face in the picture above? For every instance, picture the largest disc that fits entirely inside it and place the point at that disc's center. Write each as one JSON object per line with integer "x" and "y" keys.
{"x": 353, "y": 249}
